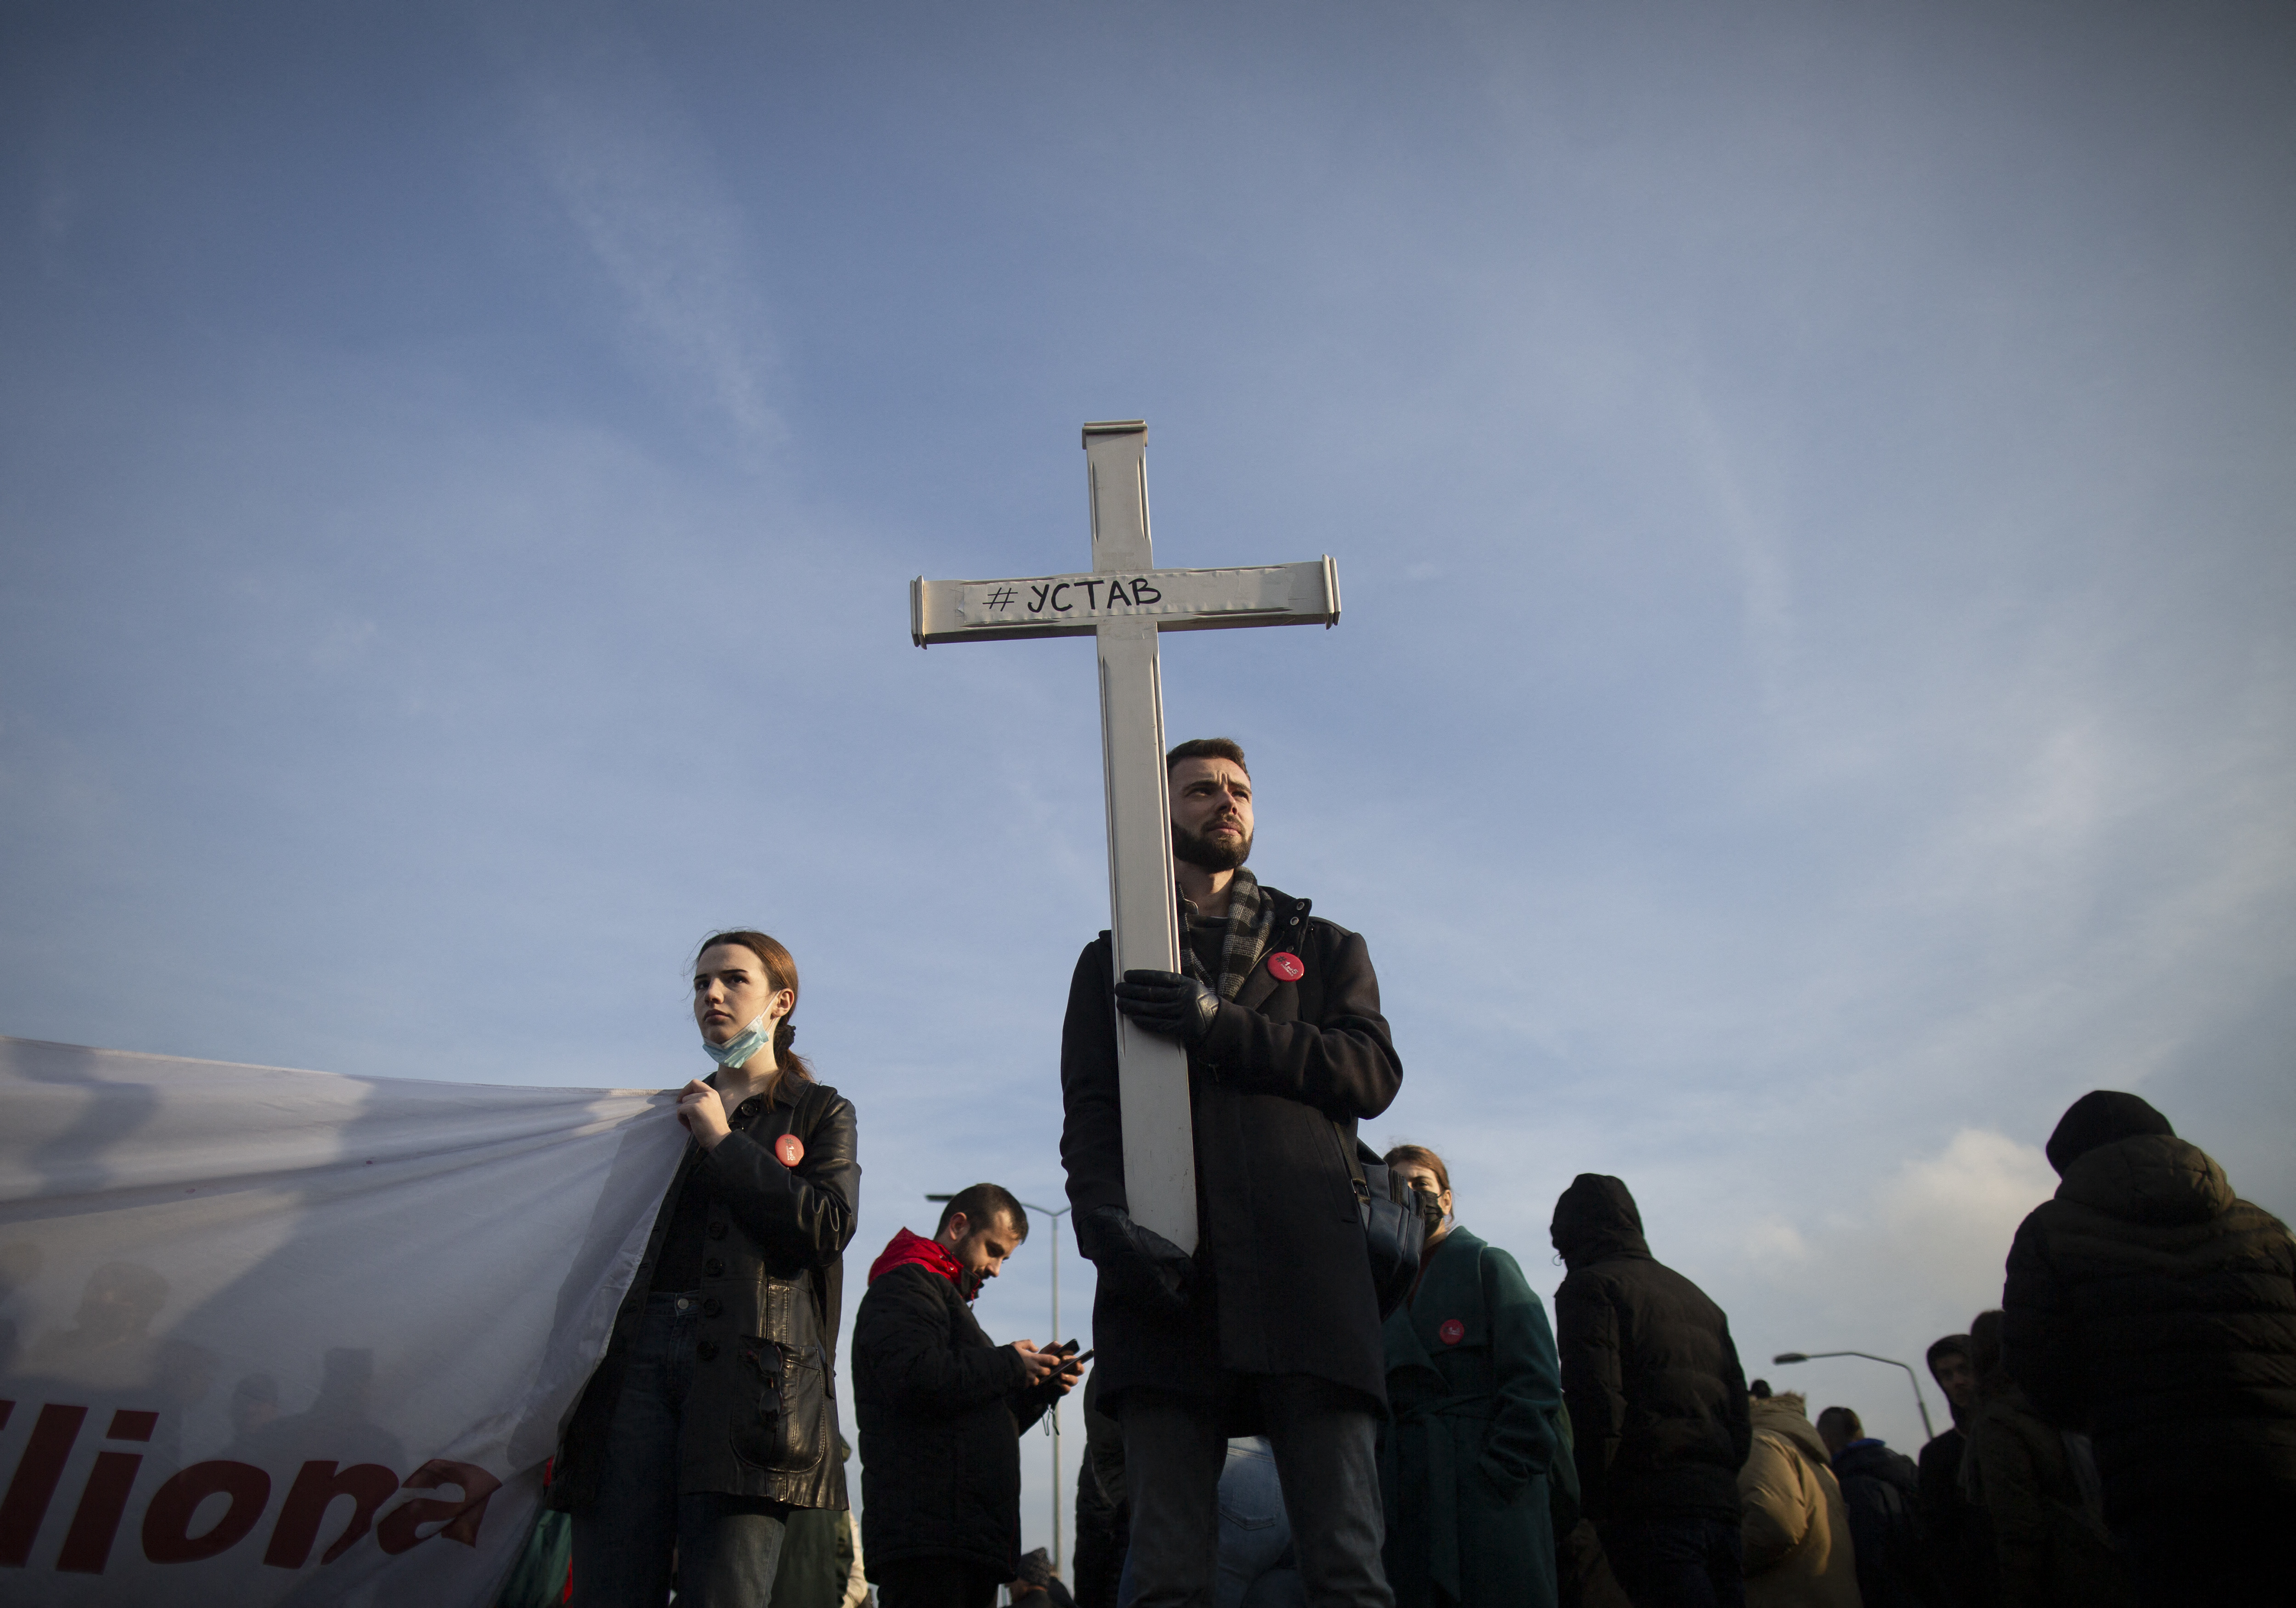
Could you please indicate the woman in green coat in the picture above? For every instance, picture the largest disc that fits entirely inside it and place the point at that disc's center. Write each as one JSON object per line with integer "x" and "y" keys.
{"x": 1474, "y": 1391}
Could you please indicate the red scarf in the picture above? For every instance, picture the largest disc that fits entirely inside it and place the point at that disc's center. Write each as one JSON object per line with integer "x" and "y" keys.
{"x": 905, "y": 1248}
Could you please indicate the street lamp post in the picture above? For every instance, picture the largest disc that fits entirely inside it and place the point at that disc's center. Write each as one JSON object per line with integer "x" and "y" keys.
{"x": 1053, "y": 1422}
{"x": 1911, "y": 1378}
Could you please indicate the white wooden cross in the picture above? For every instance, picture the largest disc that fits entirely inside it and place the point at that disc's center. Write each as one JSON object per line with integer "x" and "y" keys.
{"x": 1125, "y": 602}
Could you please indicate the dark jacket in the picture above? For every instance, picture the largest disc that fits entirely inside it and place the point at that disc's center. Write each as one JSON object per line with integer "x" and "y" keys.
{"x": 1275, "y": 1092}
{"x": 2050, "y": 1549}
{"x": 1960, "y": 1535}
{"x": 940, "y": 1409}
{"x": 2149, "y": 1306}
{"x": 1657, "y": 1401}
{"x": 1881, "y": 1490}
{"x": 1473, "y": 1390}
{"x": 772, "y": 1273}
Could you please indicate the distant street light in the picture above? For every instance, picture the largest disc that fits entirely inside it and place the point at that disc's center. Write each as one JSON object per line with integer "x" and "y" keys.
{"x": 1055, "y": 1420}
{"x": 1911, "y": 1378}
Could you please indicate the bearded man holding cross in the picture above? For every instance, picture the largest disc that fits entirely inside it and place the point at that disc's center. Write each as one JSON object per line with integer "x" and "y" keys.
{"x": 1271, "y": 1327}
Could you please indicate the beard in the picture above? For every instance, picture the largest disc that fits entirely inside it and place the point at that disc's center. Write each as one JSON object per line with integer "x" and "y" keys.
{"x": 1203, "y": 851}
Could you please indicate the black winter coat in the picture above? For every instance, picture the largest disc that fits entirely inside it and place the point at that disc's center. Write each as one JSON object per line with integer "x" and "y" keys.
{"x": 1881, "y": 1491}
{"x": 1659, "y": 1414}
{"x": 2150, "y": 1307}
{"x": 773, "y": 1276}
{"x": 1276, "y": 1091}
{"x": 1960, "y": 1535}
{"x": 940, "y": 1409}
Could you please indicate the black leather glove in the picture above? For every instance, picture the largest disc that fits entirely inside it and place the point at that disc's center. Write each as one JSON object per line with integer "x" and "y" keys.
{"x": 1170, "y": 1002}
{"x": 1141, "y": 1262}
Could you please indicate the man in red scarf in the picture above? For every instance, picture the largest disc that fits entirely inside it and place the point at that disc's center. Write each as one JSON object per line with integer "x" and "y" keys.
{"x": 940, "y": 1409}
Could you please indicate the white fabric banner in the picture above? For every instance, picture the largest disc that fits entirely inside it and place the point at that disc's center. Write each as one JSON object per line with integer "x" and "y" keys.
{"x": 272, "y": 1336}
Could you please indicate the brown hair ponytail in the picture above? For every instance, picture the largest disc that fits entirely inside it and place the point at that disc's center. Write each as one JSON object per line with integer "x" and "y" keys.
{"x": 781, "y": 971}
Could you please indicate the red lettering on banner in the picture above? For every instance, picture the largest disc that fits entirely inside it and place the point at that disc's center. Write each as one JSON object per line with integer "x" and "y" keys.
{"x": 397, "y": 1532}
{"x": 88, "y": 1544}
{"x": 368, "y": 1485}
{"x": 33, "y": 1485}
{"x": 168, "y": 1521}
{"x": 128, "y": 1424}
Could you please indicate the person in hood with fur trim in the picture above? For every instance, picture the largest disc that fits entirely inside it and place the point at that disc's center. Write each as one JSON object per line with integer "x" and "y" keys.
{"x": 1657, "y": 1400}
{"x": 2151, "y": 1308}
{"x": 940, "y": 1409}
{"x": 1795, "y": 1525}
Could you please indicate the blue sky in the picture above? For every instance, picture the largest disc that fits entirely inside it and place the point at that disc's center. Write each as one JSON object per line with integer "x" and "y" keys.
{"x": 1810, "y": 487}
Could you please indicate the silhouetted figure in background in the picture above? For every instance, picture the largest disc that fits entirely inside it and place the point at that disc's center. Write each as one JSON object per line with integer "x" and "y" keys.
{"x": 1583, "y": 1577}
{"x": 1795, "y": 1525}
{"x": 20, "y": 1264}
{"x": 1658, "y": 1417}
{"x": 1104, "y": 1517}
{"x": 110, "y": 1344}
{"x": 2149, "y": 1305}
{"x": 1961, "y": 1546}
{"x": 1882, "y": 1489}
{"x": 1036, "y": 1586}
{"x": 254, "y": 1407}
{"x": 822, "y": 1565}
{"x": 338, "y": 1424}
{"x": 111, "y": 1347}
{"x": 2037, "y": 1486}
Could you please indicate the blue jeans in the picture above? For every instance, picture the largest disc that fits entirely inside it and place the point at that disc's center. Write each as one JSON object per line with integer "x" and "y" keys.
{"x": 1257, "y": 1566}
{"x": 1325, "y": 1444}
{"x": 726, "y": 1548}
{"x": 1257, "y": 1569}
{"x": 1678, "y": 1561}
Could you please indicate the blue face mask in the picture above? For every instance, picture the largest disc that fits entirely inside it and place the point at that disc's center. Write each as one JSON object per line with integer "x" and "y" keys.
{"x": 743, "y": 1044}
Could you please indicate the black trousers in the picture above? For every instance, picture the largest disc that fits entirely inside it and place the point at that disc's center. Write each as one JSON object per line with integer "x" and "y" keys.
{"x": 935, "y": 1583}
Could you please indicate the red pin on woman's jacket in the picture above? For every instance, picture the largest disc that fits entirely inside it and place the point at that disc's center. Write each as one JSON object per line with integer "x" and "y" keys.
{"x": 1452, "y": 1332}
{"x": 1286, "y": 967}
{"x": 788, "y": 1150}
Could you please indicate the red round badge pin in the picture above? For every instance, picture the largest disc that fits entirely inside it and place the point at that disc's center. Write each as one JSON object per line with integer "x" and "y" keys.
{"x": 1452, "y": 1332}
{"x": 1285, "y": 967}
{"x": 788, "y": 1150}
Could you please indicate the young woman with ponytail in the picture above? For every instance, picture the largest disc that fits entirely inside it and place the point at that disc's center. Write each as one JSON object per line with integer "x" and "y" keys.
{"x": 711, "y": 1419}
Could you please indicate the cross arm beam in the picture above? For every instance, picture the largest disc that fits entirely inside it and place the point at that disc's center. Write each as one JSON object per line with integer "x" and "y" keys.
{"x": 1077, "y": 605}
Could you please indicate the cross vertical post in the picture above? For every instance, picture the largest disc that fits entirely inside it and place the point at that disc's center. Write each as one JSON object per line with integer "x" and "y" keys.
{"x": 1125, "y": 603}
{"x": 1159, "y": 1159}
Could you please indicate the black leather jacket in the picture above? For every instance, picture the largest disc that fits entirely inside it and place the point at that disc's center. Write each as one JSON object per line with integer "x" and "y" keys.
{"x": 772, "y": 1288}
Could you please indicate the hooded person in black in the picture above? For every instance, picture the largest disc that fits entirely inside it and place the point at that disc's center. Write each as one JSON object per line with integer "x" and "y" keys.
{"x": 1657, "y": 1400}
{"x": 2149, "y": 1306}
{"x": 1960, "y": 1535}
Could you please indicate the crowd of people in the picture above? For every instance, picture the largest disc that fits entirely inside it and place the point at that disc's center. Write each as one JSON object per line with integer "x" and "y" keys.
{"x": 1330, "y": 1401}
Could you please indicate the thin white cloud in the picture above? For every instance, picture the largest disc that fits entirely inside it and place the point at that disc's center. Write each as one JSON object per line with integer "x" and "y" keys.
{"x": 640, "y": 184}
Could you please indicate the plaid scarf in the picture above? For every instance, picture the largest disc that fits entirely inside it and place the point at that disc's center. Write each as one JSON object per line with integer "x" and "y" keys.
{"x": 1250, "y": 919}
